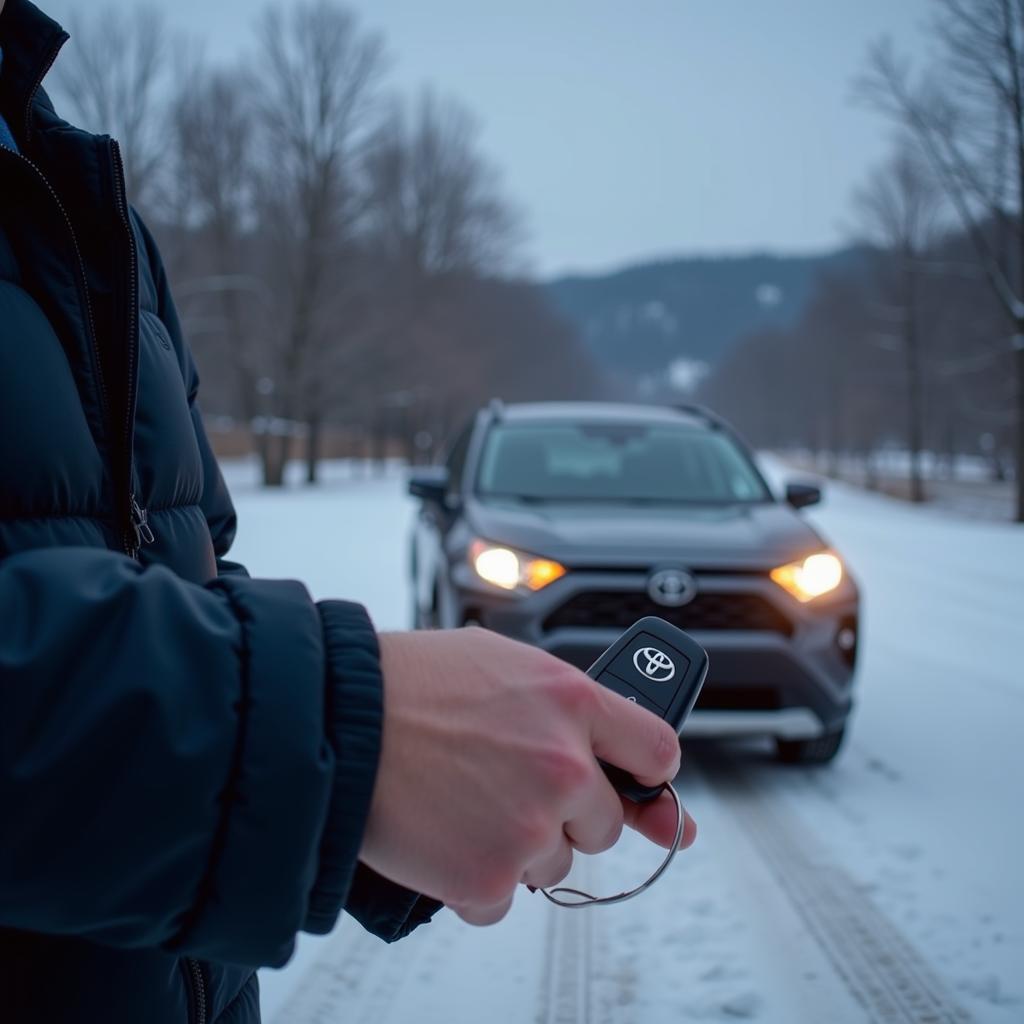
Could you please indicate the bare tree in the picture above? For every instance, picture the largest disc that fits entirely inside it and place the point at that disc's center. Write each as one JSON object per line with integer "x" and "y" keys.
{"x": 112, "y": 77}
{"x": 316, "y": 97}
{"x": 435, "y": 202}
{"x": 213, "y": 129}
{"x": 899, "y": 208}
{"x": 438, "y": 223}
{"x": 968, "y": 117}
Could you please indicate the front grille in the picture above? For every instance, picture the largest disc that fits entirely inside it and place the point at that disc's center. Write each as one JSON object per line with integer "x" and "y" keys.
{"x": 738, "y": 698}
{"x": 618, "y": 609}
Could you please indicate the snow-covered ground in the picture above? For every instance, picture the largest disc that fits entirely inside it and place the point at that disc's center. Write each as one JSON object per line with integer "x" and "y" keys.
{"x": 889, "y": 887}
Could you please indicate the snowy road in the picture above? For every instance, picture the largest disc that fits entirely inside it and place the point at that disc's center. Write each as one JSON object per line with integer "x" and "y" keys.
{"x": 887, "y": 888}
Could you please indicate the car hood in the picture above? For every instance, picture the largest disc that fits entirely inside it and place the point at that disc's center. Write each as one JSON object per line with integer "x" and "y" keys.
{"x": 757, "y": 536}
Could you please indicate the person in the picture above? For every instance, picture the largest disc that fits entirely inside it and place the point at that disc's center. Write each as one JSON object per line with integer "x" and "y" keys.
{"x": 196, "y": 765}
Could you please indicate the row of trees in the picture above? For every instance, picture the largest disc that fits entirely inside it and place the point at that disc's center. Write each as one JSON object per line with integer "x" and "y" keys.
{"x": 922, "y": 343}
{"x": 343, "y": 257}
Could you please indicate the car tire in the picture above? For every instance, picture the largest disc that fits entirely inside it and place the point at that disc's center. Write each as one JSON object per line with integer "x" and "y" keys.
{"x": 429, "y": 619}
{"x": 817, "y": 751}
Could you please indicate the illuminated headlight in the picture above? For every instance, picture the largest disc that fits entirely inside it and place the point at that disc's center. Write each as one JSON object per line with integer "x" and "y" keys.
{"x": 815, "y": 575}
{"x": 510, "y": 569}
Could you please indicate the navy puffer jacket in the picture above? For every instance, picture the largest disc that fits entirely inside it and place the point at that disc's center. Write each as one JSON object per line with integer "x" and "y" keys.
{"x": 187, "y": 755}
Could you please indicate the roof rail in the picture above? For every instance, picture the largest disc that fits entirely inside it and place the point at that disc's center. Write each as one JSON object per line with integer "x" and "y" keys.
{"x": 702, "y": 412}
{"x": 496, "y": 407}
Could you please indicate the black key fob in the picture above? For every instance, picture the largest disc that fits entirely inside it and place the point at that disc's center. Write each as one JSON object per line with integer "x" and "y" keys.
{"x": 658, "y": 666}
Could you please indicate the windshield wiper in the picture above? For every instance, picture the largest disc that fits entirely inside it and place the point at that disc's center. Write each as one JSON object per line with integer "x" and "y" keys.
{"x": 616, "y": 499}
{"x": 527, "y": 499}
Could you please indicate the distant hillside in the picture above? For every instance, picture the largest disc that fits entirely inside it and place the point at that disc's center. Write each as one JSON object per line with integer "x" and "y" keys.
{"x": 642, "y": 318}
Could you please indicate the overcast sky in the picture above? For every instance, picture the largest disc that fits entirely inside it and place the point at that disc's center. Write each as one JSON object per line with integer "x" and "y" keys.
{"x": 630, "y": 129}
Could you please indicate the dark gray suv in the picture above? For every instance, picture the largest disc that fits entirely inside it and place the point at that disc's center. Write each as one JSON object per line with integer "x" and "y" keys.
{"x": 561, "y": 524}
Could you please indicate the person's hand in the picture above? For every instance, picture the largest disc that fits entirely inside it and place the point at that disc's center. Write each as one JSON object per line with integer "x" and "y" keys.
{"x": 488, "y": 772}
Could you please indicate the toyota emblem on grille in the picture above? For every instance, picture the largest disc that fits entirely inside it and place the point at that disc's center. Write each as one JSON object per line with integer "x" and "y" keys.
{"x": 654, "y": 664}
{"x": 672, "y": 588}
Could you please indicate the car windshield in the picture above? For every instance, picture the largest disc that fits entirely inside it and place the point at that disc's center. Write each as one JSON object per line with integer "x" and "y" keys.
{"x": 632, "y": 462}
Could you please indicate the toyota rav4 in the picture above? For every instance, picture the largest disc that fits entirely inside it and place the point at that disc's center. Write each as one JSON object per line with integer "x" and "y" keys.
{"x": 561, "y": 524}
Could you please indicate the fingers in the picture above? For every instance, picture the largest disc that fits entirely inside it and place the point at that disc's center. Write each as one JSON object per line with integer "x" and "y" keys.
{"x": 483, "y": 915}
{"x": 595, "y": 826}
{"x": 630, "y": 737}
{"x": 656, "y": 821}
{"x": 548, "y": 869}
{"x": 551, "y": 867}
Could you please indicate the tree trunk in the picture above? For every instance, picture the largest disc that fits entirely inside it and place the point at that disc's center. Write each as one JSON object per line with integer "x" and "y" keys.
{"x": 263, "y": 446}
{"x": 914, "y": 405}
{"x": 1018, "y": 343}
{"x": 369, "y": 448}
{"x": 870, "y": 471}
{"x": 273, "y": 468}
{"x": 313, "y": 441}
{"x": 950, "y": 448}
{"x": 1018, "y": 336}
{"x": 275, "y": 459}
{"x": 380, "y": 446}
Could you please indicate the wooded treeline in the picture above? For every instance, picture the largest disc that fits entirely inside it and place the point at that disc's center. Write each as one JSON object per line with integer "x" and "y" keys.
{"x": 922, "y": 347}
{"x": 344, "y": 258}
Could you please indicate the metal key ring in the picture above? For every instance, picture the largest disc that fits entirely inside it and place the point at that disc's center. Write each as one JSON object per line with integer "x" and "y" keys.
{"x": 586, "y": 900}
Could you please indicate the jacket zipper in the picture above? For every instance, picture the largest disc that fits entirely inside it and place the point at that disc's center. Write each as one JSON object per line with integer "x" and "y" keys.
{"x": 140, "y": 523}
{"x": 197, "y": 1010}
{"x": 138, "y": 517}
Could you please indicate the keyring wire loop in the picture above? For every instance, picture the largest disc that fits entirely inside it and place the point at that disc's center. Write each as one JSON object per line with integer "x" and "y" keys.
{"x": 584, "y": 899}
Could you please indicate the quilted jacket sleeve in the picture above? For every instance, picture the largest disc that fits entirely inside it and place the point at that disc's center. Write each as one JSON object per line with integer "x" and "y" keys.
{"x": 165, "y": 764}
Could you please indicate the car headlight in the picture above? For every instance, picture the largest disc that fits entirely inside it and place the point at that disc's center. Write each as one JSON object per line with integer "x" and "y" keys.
{"x": 810, "y": 578}
{"x": 508, "y": 569}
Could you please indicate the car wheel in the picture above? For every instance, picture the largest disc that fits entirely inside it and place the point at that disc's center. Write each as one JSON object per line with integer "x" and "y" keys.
{"x": 817, "y": 751}
{"x": 429, "y": 619}
{"x": 424, "y": 619}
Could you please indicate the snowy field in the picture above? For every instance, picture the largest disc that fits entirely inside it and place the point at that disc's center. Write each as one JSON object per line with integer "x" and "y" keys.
{"x": 889, "y": 887}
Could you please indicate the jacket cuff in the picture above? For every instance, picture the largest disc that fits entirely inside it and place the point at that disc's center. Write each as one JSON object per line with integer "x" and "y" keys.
{"x": 353, "y": 716}
{"x": 385, "y": 908}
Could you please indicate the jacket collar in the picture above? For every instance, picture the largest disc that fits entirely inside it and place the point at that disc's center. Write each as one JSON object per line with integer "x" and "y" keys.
{"x": 31, "y": 42}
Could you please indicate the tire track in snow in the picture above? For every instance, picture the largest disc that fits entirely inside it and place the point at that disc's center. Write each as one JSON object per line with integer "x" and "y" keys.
{"x": 566, "y": 996}
{"x": 877, "y": 963}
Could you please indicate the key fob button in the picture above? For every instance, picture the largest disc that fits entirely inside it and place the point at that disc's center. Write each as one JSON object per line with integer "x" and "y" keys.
{"x": 653, "y": 668}
{"x": 621, "y": 687}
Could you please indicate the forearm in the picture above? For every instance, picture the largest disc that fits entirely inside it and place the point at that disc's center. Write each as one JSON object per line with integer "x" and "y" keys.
{"x": 165, "y": 769}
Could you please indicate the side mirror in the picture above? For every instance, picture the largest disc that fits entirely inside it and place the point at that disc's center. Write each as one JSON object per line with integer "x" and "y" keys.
{"x": 802, "y": 495}
{"x": 430, "y": 484}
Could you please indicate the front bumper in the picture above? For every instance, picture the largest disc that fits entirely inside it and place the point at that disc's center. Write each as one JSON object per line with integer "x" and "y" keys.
{"x": 786, "y": 724}
{"x": 789, "y": 676}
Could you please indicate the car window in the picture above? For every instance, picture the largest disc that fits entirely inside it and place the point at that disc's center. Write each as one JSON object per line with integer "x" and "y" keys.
{"x": 616, "y": 462}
